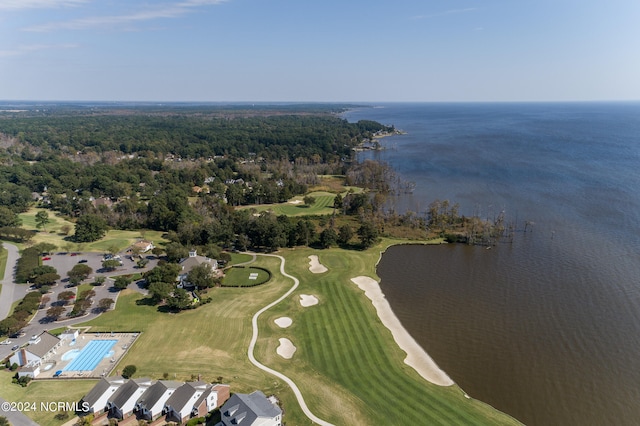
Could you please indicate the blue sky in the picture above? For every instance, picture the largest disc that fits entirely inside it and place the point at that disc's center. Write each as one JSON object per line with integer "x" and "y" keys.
{"x": 320, "y": 50}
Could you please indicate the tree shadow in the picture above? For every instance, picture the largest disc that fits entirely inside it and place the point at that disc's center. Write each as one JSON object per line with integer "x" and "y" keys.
{"x": 146, "y": 301}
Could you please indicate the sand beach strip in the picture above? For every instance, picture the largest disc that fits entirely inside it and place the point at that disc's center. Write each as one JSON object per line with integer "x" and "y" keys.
{"x": 417, "y": 358}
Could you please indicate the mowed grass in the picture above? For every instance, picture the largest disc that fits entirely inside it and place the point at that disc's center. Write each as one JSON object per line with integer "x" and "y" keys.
{"x": 65, "y": 391}
{"x": 241, "y": 277}
{"x": 345, "y": 357}
{"x": 53, "y": 233}
{"x": 296, "y": 207}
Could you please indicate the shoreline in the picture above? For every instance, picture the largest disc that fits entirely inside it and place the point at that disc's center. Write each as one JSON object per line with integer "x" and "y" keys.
{"x": 417, "y": 358}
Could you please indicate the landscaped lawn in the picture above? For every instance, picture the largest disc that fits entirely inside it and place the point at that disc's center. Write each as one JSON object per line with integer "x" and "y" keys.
{"x": 68, "y": 391}
{"x": 54, "y": 235}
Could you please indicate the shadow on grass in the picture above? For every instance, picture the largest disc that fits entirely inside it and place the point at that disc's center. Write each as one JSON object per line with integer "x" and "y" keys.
{"x": 146, "y": 301}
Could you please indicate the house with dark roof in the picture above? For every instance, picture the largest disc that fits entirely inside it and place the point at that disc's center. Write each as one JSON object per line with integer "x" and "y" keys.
{"x": 210, "y": 399}
{"x": 39, "y": 350}
{"x": 253, "y": 409}
{"x": 123, "y": 400}
{"x": 97, "y": 398}
{"x": 149, "y": 406}
{"x": 191, "y": 262}
{"x": 179, "y": 406}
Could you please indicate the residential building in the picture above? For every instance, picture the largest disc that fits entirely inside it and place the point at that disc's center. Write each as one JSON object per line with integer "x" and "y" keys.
{"x": 98, "y": 396}
{"x": 39, "y": 349}
{"x": 123, "y": 400}
{"x": 179, "y": 406}
{"x": 253, "y": 409}
{"x": 149, "y": 406}
{"x": 191, "y": 262}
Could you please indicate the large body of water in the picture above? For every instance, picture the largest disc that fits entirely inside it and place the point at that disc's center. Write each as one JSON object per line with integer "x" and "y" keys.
{"x": 547, "y": 327}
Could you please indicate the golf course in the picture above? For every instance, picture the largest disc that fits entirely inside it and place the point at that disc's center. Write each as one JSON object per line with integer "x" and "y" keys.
{"x": 345, "y": 357}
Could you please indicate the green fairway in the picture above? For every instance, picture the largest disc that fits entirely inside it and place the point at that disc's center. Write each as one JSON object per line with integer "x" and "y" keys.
{"x": 296, "y": 207}
{"x": 346, "y": 357}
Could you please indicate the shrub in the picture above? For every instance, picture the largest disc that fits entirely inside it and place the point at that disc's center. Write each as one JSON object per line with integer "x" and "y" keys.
{"x": 62, "y": 415}
{"x": 129, "y": 371}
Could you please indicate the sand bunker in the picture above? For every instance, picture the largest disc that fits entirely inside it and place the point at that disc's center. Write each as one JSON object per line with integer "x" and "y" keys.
{"x": 286, "y": 348}
{"x": 416, "y": 358}
{"x": 283, "y": 322}
{"x": 295, "y": 202}
{"x": 315, "y": 266}
{"x": 308, "y": 300}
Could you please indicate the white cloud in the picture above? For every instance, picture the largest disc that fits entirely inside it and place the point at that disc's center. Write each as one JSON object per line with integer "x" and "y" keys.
{"x": 445, "y": 13}
{"x": 163, "y": 11}
{"x": 29, "y": 48}
{"x": 38, "y": 4}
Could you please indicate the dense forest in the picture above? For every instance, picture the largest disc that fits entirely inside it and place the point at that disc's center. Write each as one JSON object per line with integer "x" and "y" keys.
{"x": 184, "y": 170}
{"x": 176, "y": 170}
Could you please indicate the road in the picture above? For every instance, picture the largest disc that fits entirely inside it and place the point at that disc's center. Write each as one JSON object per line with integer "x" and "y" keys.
{"x": 9, "y": 294}
{"x": 254, "y": 339}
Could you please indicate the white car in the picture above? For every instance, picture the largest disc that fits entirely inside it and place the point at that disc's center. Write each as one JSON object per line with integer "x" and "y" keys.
{"x": 5, "y": 342}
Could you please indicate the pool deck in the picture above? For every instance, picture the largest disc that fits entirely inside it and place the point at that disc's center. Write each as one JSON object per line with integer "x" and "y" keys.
{"x": 103, "y": 368}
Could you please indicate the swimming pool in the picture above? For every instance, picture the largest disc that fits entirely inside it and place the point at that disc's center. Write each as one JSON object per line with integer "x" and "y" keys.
{"x": 69, "y": 355}
{"x": 91, "y": 355}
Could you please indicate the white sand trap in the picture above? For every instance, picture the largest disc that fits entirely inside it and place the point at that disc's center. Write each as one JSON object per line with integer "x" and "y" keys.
{"x": 295, "y": 202}
{"x": 286, "y": 348}
{"x": 416, "y": 358}
{"x": 308, "y": 300}
{"x": 283, "y": 322}
{"x": 315, "y": 266}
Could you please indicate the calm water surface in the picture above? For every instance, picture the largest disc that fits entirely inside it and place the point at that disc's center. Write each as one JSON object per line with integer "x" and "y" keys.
{"x": 546, "y": 328}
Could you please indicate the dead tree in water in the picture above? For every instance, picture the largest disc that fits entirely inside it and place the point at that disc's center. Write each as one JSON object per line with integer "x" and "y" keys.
{"x": 528, "y": 224}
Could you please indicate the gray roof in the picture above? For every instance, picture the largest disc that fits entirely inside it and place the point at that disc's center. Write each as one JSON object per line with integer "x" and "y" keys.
{"x": 247, "y": 408}
{"x": 188, "y": 263}
{"x": 46, "y": 343}
{"x": 151, "y": 396}
{"x": 100, "y": 388}
{"x": 124, "y": 392}
{"x": 183, "y": 394}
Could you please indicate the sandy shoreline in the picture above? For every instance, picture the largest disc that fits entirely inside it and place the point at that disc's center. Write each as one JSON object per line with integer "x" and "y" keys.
{"x": 417, "y": 358}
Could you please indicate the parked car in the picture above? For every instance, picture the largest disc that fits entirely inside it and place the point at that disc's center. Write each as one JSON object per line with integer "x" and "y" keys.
{"x": 82, "y": 261}
{"x": 15, "y": 347}
{"x": 74, "y": 254}
{"x": 46, "y": 258}
{"x": 5, "y": 342}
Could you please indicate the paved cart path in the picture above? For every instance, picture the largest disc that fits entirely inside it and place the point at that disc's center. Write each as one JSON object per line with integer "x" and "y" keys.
{"x": 254, "y": 338}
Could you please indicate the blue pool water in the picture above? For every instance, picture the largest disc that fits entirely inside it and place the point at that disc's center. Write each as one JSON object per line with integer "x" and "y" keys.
{"x": 91, "y": 355}
{"x": 68, "y": 356}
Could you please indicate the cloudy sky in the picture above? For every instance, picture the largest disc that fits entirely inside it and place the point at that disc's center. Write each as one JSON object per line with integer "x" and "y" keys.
{"x": 320, "y": 50}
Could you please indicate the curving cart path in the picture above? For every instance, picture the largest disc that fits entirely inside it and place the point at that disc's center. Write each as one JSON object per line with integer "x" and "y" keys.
{"x": 254, "y": 338}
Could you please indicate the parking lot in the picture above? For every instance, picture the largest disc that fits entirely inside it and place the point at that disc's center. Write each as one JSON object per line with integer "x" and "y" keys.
{"x": 64, "y": 262}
